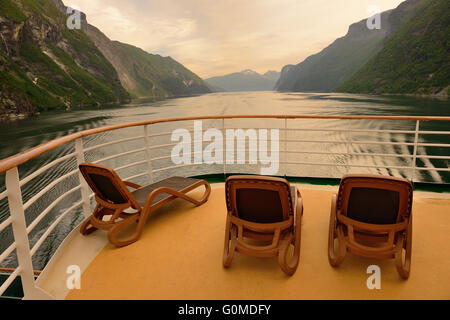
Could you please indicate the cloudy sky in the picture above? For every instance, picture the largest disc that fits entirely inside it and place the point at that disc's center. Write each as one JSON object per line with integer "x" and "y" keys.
{"x": 213, "y": 37}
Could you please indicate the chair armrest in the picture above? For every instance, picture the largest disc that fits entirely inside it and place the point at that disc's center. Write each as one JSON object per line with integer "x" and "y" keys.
{"x": 390, "y": 229}
{"x": 133, "y": 185}
{"x": 298, "y": 207}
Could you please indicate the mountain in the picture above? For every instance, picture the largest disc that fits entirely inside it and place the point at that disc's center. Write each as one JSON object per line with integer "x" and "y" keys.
{"x": 45, "y": 65}
{"x": 415, "y": 60}
{"x": 143, "y": 74}
{"x": 328, "y": 69}
{"x": 247, "y": 80}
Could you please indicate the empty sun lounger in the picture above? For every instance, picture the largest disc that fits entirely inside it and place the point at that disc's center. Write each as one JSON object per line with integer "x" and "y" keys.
{"x": 371, "y": 217}
{"x": 113, "y": 198}
{"x": 266, "y": 209}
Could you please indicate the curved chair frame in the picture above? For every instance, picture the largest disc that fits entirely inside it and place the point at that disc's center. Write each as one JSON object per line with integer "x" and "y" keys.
{"x": 281, "y": 234}
{"x": 382, "y": 241}
{"x": 119, "y": 219}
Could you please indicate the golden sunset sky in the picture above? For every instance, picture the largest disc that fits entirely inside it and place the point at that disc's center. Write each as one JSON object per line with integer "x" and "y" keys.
{"x": 213, "y": 38}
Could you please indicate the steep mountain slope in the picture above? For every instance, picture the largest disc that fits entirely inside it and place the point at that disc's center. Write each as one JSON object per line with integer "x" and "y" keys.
{"x": 415, "y": 60}
{"x": 44, "y": 65}
{"x": 325, "y": 71}
{"x": 143, "y": 74}
{"x": 247, "y": 80}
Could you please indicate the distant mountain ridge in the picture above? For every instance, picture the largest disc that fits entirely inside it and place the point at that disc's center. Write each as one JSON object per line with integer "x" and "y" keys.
{"x": 330, "y": 68}
{"x": 246, "y": 80}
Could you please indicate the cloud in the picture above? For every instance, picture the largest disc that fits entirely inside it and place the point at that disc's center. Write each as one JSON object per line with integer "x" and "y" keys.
{"x": 218, "y": 37}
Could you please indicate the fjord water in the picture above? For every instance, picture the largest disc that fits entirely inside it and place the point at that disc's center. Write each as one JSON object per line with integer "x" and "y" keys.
{"x": 20, "y": 135}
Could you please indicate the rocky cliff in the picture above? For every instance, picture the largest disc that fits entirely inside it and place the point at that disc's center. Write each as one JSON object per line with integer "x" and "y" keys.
{"x": 415, "y": 60}
{"x": 44, "y": 65}
{"x": 142, "y": 74}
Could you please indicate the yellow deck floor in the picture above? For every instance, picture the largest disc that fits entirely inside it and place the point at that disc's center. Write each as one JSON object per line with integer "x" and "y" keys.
{"x": 179, "y": 256}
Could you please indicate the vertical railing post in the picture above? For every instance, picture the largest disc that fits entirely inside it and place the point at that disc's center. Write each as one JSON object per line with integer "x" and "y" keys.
{"x": 347, "y": 154}
{"x": 224, "y": 147}
{"x": 416, "y": 141}
{"x": 148, "y": 154}
{"x": 19, "y": 228}
{"x": 87, "y": 210}
{"x": 285, "y": 147}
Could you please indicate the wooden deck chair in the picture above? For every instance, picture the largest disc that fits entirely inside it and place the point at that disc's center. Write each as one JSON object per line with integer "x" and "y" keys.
{"x": 371, "y": 217}
{"x": 267, "y": 209}
{"x": 113, "y": 197}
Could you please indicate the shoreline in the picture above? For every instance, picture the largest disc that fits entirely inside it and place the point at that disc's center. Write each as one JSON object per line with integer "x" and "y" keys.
{"x": 20, "y": 116}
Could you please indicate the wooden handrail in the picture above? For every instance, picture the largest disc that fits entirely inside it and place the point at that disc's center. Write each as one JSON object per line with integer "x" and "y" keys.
{"x": 11, "y": 270}
{"x": 20, "y": 158}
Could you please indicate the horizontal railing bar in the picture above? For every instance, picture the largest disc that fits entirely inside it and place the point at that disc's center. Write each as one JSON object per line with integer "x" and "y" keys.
{"x": 434, "y": 132}
{"x": 52, "y": 226}
{"x": 162, "y": 158}
{"x": 7, "y": 252}
{"x": 3, "y": 195}
{"x": 433, "y": 157}
{"x": 178, "y": 166}
{"x": 353, "y": 142}
{"x": 130, "y": 165}
{"x": 312, "y": 152}
{"x": 315, "y": 164}
{"x": 166, "y": 133}
{"x": 345, "y": 130}
{"x": 49, "y": 208}
{"x": 194, "y": 153}
{"x": 119, "y": 155}
{"x": 166, "y": 145}
{"x": 47, "y": 188}
{"x": 433, "y": 169}
{"x": 5, "y": 223}
{"x": 10, "y": 280}
{"x": 293, "y": 141}
{"x": 45, "y": 168}
{"x": 10, "y": 270}
{"x": 441, "y": 145}
{"x": 345, "y": 165}
{"x": 136, "y": 176}
{"x": 112, "y": 143}
{"x": 16, "y": 160}
{"x": 353, "y": 154}
{"x": 350, "y": 130}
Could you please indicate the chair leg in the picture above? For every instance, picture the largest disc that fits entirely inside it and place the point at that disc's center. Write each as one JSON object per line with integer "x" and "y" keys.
{"x": 118, "y": 242}
{"x": 289, "y": 266}
{"x": 335, "y": 259}
{"x": 86, "y": 227}
{"x": 229, "y": 245}
{"x": 404, "y": 242}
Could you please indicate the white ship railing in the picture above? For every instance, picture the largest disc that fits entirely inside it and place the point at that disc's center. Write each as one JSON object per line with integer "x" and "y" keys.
{"x": 17, "y": 207}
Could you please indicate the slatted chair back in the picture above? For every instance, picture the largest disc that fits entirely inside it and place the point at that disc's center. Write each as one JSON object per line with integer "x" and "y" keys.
{"x": 259, "y": 199}
{"x": 375, "y": 199}
{"x": 107, "y": 185}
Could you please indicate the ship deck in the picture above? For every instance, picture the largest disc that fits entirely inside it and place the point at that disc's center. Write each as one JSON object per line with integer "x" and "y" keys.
{"x": 179, "y": 256}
